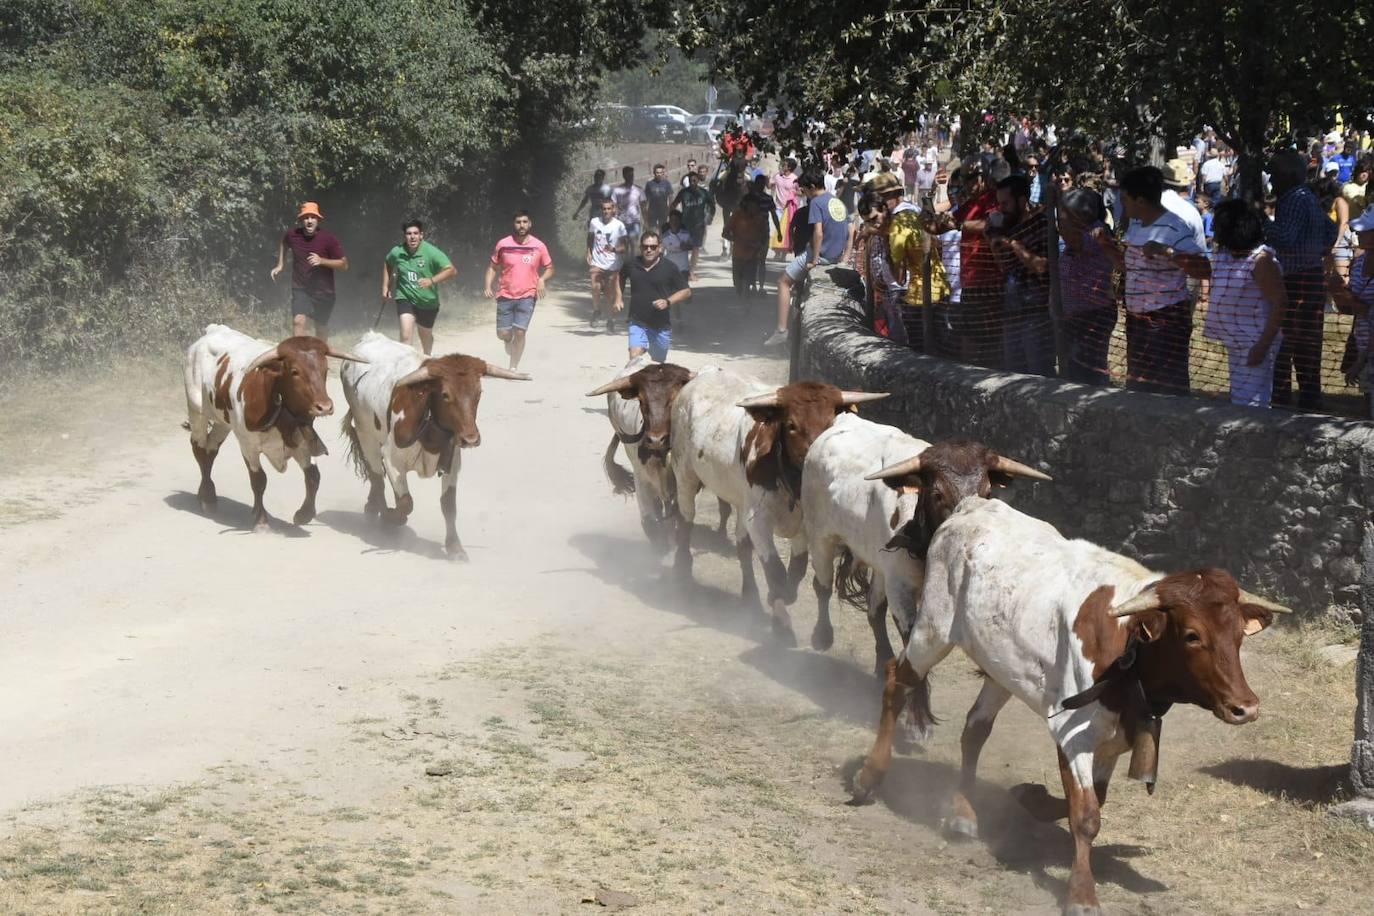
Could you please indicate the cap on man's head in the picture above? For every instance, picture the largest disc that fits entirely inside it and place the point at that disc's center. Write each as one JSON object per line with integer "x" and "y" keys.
{"x": 1177, "y": 174}
{"x": 885, "y": 183}
{"x": 1332, "y": 166}
{"x": 309, "y": 208}
{"x": 971, "y": 166}
{"x": 1000, "y": 169}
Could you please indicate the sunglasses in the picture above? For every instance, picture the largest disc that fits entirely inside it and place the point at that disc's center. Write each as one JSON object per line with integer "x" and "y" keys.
{"x": 649, "y": 247}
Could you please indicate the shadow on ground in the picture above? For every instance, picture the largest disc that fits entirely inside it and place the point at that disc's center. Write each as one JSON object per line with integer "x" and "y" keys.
{"x": 380, "y": 537}
{"x": 236, "y": 515}
{"x": 1305, "y": 786}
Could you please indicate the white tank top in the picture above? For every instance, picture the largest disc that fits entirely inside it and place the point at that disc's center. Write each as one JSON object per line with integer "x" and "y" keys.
{"x": 1237, "y": 310}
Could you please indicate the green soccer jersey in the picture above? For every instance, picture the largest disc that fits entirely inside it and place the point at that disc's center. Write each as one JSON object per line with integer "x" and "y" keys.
{"x": 408, "y": 269}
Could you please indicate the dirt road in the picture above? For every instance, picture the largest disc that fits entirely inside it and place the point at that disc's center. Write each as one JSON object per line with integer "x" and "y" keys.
{"x": 333, "y": 718}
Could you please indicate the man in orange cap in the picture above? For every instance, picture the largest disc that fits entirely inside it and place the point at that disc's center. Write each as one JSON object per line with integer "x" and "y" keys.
{"x": 315, "y": 255}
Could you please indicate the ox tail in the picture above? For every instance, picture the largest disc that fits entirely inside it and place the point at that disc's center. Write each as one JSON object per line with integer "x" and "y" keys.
{"x": 353, "y": 449}
{"x": 853, "y": 579}
{"x": 622, "y": 481}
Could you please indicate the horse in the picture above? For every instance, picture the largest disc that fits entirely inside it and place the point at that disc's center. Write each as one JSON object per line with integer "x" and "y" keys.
{"x": 729, "y": 186}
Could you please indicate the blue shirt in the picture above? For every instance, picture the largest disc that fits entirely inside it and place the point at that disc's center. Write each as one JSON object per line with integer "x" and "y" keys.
{"x": 830, "y": 212}
{"x": 1300, "y": 232}
{"x": 1347, "y": 163}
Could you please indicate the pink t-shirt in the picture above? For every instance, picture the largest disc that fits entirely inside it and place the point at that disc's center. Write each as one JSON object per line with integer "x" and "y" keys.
{"x": 519, "y": 264}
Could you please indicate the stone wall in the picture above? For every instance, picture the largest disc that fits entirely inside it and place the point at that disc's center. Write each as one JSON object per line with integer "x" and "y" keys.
{"x": 1278, "y": 499}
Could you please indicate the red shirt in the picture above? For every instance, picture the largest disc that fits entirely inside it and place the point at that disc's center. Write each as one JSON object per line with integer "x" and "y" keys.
{"x": 976, "y": 264}
{"x": 318, "y": 281}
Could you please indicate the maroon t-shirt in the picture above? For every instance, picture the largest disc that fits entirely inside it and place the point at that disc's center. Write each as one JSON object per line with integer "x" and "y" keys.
{"x": 318, "y": 281}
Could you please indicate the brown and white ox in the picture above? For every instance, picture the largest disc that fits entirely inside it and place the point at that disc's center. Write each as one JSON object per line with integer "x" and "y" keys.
{"x": 409, "y": 413}
{"x": 1094, "y": 642}
{"x": 639, "y": 402}
{"x": 268, "y": 396}
{"x": 746, "y": 441}
{"x": 866, "y": 499}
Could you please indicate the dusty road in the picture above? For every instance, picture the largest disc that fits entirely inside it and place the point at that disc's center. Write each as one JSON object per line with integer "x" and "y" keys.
{"x": 199, "y": 719}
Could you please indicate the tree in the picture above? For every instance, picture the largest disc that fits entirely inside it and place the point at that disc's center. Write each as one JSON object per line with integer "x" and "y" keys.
{"x": 1147, "y": 73}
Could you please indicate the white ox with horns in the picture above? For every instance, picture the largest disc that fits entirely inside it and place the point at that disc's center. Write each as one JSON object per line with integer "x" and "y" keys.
{"x": 746, "y": 441}
{"x": 268, "y": 395}
{"x": 409, "y": 413}
{"x": 639, "y": 402}
{"x": 1092, "y": 641}
{"x": 875, "y": 495}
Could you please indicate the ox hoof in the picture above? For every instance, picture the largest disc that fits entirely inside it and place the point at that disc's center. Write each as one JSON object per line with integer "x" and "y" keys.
{"x": 303, "y": 517}
{"x": 373, "y": 510}
{"x": 960, "y": 828}
{"x": 782, "y": 632}
{"x": 1082, "y": 909}
{"x": 822, "y": 637}
{"x": 456, "y": 553}
{"x": 208, "y": 504}
{"x": 261, "y": 526}
{"x": 394, "y": 518}
{"x": 862, "y": 786}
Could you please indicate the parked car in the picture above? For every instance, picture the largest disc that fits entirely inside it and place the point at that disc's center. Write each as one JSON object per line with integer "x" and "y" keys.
{"x": 706, "y": 128}
{"x": 649, "y": 125}
{"x": 679, "y": 114}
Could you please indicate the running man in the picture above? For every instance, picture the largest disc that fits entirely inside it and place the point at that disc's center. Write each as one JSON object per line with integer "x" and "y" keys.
{"x": 412, "y": 273}
{"x": 656, "y": 285}
{"x": 315, "y": 255}
{"x": 525, "y": 268}
{"x": 658, "y": 198}
{"x": 695, "y": 203}
{"x": 593, "y": 195}
{"x": 605, "y": 254}
{"x": 629, "y": 204}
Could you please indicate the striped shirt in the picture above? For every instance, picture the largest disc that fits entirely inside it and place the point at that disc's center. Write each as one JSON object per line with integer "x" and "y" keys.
{"x": 1153, "y": 283}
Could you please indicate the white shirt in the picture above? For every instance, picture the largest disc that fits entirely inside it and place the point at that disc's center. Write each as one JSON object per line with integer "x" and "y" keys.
{"x": 628, "y": 201}
{"x": 949, "y": 257}
{"x": 831, "y": 181}
{"x": 1213, "y": 170}
{"x": 1175, "y": 203}
{"x": 677, "y": 248}
{"x": 1153, "y": 283}
{"x": 1237, "y": 310}
{"x": 605, "y": 238}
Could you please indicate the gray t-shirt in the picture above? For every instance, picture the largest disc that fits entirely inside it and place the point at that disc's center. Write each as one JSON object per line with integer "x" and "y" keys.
{"x": 830, "y": 212}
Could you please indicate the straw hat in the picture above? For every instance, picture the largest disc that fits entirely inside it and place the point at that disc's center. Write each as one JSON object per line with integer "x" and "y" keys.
{"x": 1177, "y": 174}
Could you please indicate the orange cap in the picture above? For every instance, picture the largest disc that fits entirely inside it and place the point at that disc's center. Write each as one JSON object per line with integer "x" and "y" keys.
{"x": 310, "y": 208}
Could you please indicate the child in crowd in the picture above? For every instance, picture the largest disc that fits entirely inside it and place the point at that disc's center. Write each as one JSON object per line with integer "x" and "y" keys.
{"x": 1204, "y": 206}
{"x": 1354, "y": 295}
{"x": 1247, "y": 301}
{"x": 945, "y": 237}
{"x": 748, "y": 233}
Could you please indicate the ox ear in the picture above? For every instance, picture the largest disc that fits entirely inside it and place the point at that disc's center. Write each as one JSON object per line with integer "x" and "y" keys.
{"x": 1258, "y": 612}
{"x": 760, "y": 464}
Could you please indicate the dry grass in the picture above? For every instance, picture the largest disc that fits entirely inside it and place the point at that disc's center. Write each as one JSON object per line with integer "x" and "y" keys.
{"x": 714, "y": 788}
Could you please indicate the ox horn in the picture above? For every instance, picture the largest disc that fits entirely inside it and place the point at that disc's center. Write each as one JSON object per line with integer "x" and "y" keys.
{"x": 1017, "y": 469}
{"x": 1147, "y": 600}
{"x": 1250, "y": 598}
{"x": 619, "y": 384}
{"x": 345, "y": 355}
{"x": 900, "y": 469}
{"x": 262, "y": 360}
{"x": 759, "y": 400}
{"x": 849, "y": 398}
{"x": 419, "y": 375}
{"x": 498, "y": 372}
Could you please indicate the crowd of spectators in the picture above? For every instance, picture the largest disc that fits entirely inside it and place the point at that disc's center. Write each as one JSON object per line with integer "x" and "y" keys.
{"x": 1143, "y": 254}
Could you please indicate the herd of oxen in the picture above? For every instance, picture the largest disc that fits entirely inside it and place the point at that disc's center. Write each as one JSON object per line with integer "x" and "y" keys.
{"x": 1093, "y": 641}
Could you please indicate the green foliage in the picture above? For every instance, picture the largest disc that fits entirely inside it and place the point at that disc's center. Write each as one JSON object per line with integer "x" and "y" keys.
{"x": 1147, "y": 72}
{"x": 141, "y": 133}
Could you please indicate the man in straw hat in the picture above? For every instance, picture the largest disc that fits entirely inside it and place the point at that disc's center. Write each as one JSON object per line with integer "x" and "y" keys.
{"x": 315, "y": 255}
